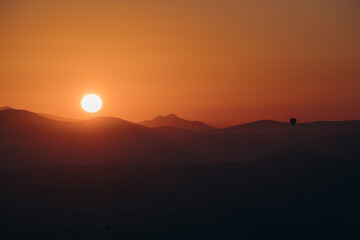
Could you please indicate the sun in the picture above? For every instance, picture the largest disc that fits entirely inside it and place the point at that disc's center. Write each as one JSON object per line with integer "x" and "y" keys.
{"x": 91, "y": 103}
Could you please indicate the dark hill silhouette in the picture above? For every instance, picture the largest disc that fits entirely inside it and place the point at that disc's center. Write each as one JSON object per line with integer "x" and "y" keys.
{"x": 262, "y": 126}
{"x": 52, "y": 117}
{"x": 4, "y": 107}
{"x": 268, "y": 179}
{"x": 57, "y": 118}
{"x": 28, "y": 140}
{"x": 175, "y": 132}
{"x": 174, "y": 121}
{"x": 319, "y": 128}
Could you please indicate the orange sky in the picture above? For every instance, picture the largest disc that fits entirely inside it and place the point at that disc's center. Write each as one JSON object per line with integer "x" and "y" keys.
{"x": 220, "y": 61}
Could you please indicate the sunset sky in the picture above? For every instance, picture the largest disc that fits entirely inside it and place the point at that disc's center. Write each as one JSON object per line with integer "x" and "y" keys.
{"x": 220, "y": 61}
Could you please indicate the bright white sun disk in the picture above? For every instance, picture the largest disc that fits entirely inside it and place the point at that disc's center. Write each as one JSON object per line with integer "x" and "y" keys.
{"x": 91, "y": 103}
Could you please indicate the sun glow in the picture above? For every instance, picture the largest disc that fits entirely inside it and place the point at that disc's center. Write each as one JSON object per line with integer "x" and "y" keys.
{"x": 91, "y": 103}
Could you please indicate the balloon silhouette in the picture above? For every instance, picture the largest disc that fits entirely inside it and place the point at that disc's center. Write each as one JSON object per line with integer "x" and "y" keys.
{"x": 292, "y": 121}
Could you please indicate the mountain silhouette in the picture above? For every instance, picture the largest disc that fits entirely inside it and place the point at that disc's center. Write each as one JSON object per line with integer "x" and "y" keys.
{"x": 262, "y": 126}
{"x": 174, "y": 121}
{"x": 4, "y": 107}
{"x": 319, "y": 128}
{"x": 28, "y": 140}
{"x": 175, "y": 132}
{"x": 57, "y": 118}
{"x": 53, "y": 117}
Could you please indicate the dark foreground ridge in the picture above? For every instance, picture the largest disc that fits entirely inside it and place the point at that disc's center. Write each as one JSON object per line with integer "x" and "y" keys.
{"x": 28, "y": 140}
{"x": 107, "y": 178}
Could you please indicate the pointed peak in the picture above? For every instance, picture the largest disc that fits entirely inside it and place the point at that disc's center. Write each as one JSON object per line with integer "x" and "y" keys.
{"x": 168, "y": 117}
{"x": 175, "y": 121}
{"x": 5, "y": 107}
{"x": 171, "y": 116}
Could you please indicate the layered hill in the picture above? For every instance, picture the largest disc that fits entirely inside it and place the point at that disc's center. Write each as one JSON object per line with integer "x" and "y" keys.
{"x": 319, "y": 128}
{"x": 174, "y": 121}
{"x": 57, "y": 118}
{"x": 28, "y": 140}
{"x": 4, "y": 107}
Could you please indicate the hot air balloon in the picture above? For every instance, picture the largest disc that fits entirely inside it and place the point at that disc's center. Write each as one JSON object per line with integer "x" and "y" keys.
{"x": 292, "y": 121}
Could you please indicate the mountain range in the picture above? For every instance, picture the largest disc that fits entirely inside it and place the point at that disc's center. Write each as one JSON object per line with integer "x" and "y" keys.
{"x": 108, "y": 178}
{"x": 29, "y": 140}
{"x": 174, "y": 121}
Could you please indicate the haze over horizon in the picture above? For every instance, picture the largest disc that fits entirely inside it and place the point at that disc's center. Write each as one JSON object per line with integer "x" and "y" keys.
{"x": 220, "y": 62}
{"x": 180, "y": 119}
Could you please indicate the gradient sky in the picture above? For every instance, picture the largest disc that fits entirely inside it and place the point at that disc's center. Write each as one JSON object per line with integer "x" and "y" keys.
{"x": 220, "y": 61}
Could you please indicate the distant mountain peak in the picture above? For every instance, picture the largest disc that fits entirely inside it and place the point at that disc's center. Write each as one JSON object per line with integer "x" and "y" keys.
{"x": 5, "y": 107}
{"x": 173, "y": 120}
{"x": 171, "y": 116}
